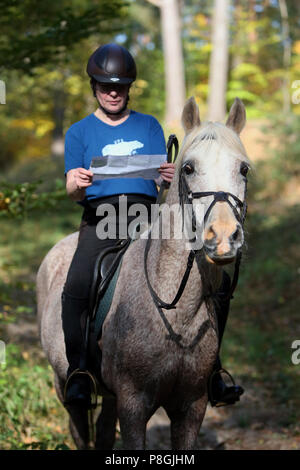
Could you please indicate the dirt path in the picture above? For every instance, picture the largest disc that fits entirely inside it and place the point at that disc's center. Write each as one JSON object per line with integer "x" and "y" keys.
{"x": 245, "y": 426}
{"x": 253, "y": 424}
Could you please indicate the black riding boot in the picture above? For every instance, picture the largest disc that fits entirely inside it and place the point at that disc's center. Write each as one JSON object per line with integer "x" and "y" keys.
{"x": 78, "y": 388}
{"x": 218, "y": 392}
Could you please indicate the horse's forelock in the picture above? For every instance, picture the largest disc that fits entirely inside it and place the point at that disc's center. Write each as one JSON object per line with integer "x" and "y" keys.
{"x": 213, "y": 132}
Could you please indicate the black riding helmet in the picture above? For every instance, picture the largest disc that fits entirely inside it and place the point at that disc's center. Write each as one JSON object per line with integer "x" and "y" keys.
{"x": 112, "y": 63}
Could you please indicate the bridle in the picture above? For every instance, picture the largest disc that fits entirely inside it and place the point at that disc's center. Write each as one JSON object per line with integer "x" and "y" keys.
{"x": 219, "y": 196}
{"x": 222, "y": 196}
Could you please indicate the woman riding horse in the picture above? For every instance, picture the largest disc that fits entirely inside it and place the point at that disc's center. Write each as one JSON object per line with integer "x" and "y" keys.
{"x": 112, "y": 70}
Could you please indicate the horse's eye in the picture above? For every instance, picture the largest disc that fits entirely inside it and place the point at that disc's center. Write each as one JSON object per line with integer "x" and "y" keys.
{"x": 244, "y": 169}
{"x": 188, "y": 168}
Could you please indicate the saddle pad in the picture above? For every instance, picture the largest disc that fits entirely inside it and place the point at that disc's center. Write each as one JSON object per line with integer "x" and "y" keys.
{"x": 105, "y": 302}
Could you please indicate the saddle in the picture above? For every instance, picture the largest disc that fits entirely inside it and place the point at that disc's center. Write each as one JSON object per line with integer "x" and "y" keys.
{"x": 105, "y": 276}
{"x": 107, "y": 265}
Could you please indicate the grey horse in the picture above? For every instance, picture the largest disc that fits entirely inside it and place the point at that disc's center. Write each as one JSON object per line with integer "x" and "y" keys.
{"x": 143, "y": 365}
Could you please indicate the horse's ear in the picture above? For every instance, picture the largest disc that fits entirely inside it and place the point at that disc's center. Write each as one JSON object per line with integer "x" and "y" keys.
{"x": 190, "y": 115}
{"x": 237, "y": 116}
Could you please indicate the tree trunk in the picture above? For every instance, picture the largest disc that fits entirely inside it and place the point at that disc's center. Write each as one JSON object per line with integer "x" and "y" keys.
{"x": 219, "y": 61}
{"x": 238, "y": 34}
{"x": 286, "y": 56}
{"x": 57, "y": 145}
{"x": 173, "y": 59}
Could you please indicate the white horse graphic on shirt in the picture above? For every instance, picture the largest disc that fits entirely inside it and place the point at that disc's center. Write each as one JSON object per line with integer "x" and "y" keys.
{"x": 122, "y": 147}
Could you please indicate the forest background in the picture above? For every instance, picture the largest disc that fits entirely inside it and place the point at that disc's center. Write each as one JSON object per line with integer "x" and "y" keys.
{"x": 44, "y": 47}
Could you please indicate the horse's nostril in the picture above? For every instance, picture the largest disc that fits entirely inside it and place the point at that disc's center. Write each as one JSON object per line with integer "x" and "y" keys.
{"x": 234, "y": 237}
{"x": 210, "y": 234}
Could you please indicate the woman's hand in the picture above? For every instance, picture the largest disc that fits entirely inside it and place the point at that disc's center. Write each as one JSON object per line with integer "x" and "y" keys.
{"x": 82, "y": 177}
{"x": 167, "y": 171}
{"x": 77, "y": 180}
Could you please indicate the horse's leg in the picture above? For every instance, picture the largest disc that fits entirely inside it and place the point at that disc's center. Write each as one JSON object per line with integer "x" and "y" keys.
{"x": 79, "y": 427}
{"x": 133, "y": 420}
{"x": 106, "y": 425}
{"x": 78, "y": 418}
{"x": 185, "y": 425}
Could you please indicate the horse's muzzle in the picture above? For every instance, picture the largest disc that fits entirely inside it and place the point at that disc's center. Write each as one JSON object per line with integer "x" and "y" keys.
{"x": 221, "y": 248}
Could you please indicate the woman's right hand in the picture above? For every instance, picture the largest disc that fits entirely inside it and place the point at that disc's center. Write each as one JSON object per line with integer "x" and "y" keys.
{"x": 77, "y": 180}
{"x": 82, "y": 177}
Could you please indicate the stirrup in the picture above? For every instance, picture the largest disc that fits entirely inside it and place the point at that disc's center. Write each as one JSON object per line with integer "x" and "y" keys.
{"x": 210, "y": 387}
{"x": 94, "y": 392}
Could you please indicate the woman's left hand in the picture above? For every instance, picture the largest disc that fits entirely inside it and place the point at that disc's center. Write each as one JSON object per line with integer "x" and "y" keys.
{"x": 167, "y": 171}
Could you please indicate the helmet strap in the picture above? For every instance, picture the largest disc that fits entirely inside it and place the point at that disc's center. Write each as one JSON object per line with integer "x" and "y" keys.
{"x": 93, "y": 84}
{"x": 114, "y": 113}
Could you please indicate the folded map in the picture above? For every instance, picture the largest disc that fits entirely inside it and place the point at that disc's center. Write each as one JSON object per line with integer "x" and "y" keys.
{"x": 127, "y": 166}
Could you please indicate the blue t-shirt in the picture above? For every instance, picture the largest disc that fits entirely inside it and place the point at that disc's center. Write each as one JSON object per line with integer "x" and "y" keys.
{"x": 90, "y": 137}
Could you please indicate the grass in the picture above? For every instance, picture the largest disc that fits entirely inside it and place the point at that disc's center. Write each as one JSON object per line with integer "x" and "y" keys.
{"x": 30, "y": 416}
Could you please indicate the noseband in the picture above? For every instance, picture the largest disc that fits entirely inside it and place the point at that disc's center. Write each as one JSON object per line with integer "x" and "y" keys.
{"x": 220, "y": 196}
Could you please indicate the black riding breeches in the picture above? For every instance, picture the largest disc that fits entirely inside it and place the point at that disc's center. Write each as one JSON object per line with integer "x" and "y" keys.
{"x": 75, "y": 297}
{"x": 80, "y": 274}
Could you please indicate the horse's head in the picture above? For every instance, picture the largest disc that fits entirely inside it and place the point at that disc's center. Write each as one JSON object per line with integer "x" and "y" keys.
{"x": 212, "y": 171}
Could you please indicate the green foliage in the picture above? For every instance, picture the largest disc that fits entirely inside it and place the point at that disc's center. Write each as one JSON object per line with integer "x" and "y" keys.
{"x": 143, "y": 37}
{"x": 17, "y": 200}
{"x": 286, "y": 161}
{"x": 256, "y": 71}
{"x": 26, "y": 392}
{"x": 34, "y": 33}
{"x": 281, "y": 168}
{"x": 45, "y": 47}
{"x": 264, "y": 312}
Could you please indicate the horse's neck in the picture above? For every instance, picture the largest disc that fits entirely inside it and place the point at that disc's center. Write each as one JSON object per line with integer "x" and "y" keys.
{"x": 167, "y": 263}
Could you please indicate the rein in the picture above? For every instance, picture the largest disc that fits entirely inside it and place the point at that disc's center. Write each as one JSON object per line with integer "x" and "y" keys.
{"x": 218, "y": 196}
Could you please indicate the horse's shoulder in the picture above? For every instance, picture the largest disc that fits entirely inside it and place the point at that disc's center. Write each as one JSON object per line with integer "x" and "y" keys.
{"x": 68, "y": 244}
{"x": 58, "y": 259}
{"x": 65, "y": 248}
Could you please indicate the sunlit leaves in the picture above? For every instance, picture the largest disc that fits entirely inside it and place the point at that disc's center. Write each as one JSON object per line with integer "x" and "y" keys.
{"x": 17, "y": 200}
{"x": 34, "y": 33}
